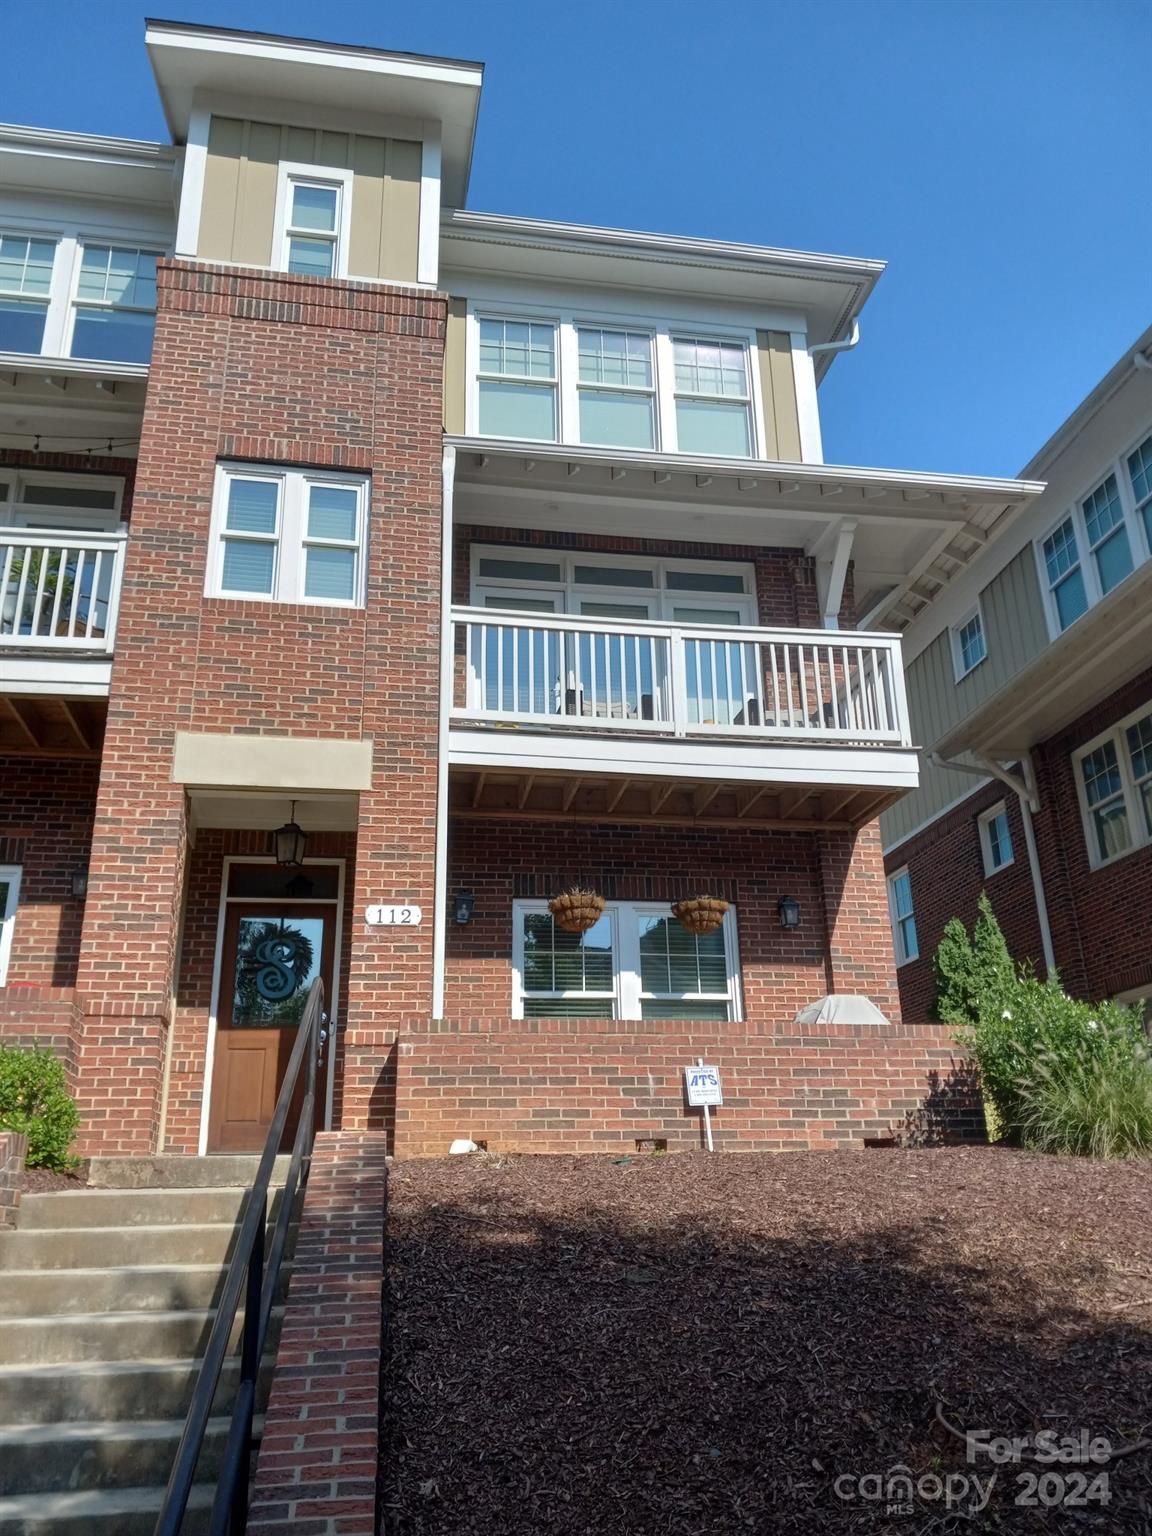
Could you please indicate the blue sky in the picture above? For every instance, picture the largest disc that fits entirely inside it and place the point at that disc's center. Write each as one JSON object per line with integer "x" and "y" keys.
{"x": 995, "y": 154}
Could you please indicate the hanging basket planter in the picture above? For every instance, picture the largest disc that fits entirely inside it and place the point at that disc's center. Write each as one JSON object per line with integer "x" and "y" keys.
{"x": 700, "y": 914}
{"x": 576, "y": 911}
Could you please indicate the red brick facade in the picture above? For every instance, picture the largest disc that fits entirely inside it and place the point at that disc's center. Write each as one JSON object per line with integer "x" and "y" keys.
{"x": 1099, "y": 941}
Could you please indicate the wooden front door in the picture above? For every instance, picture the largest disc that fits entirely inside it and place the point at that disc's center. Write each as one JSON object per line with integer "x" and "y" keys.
{"x": 272, "y": 953}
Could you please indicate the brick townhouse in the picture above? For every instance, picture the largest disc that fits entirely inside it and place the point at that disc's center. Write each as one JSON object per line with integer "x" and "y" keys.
{"x": 366, "y": 557}
{"x": 1030, "y": 687}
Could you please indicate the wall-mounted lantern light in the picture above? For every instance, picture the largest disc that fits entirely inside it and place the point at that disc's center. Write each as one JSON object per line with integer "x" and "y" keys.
{"x": 789, "y": 910}
{"x": 288, "y": 841}
{"x": 464, "y": 906}
{"x": 80, "y": 883}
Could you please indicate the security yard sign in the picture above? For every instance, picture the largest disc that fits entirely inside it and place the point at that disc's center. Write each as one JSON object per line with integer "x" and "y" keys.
{"x": 703, "y": 1085}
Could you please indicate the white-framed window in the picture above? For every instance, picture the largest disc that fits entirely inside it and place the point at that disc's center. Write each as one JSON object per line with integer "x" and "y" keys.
{"x": 969, "y": 647}
{"x": 288, "y": 535}
{"x": 1100, "y": 539}
{"x": 995, "y": 839}
{"x": 26, "y": 263}
{"x": 31, "y": 499}
{"x": 517, "y": 378}
{"x": 637, "y": 962}
{"x": 313, "y": 220}
{"x": 9, "y": 900}
{"x": 610, "y": 586}
{"x": 903, "y": 919}
{"x": 1114, "y": 781}
{"x": 114, "y": 303}
{"x": 612, "y": 382}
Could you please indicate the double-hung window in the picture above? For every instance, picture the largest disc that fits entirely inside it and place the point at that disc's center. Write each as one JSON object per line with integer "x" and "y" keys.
{"x": 969, "y": 647}
{"x": 996, "y": 839}
{"x": 713, "y": 403}
{"x": 616, "y": 388}
{"x": 9, "y": 897}
{"x": 517, "y": 383}
{"x": 114, "y": 314}
{"x": 1115, "y": 780}
{"x": 1065, "y": 574}
{"x": 637, "y": 962}
{"x": 1140, "y": 474}
{"x": 1107, "y": 534}
{"x": 903, "y": 920}
{"x": 25, "y": 286}
{"x": 290, "y": 536}
{"x": 313, "y": 221}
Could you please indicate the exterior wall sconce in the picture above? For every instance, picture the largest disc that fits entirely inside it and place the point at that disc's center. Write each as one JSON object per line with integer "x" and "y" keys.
{"x": 288, "y": 841}
{"x": 465, "y": 905}
{"x": 80, "y": 883}
{"x": 789, "y": 910}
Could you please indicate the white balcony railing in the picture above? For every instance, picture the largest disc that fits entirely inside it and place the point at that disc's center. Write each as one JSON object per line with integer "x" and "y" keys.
{"x": 59, "y": 592}
{"x": 814, "y": 685}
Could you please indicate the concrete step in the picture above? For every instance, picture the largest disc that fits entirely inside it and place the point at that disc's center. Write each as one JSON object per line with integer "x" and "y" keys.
{"x": 116, "y": 1247}
{"x": 159, "y": 1288}
{"x": 134, "y": 1208}
{"x": 135, "y": 1453}
{"x": 167, "y": 1172}
{"x": 119, "y": 1389}
{"x": 98, "y": 1512}
{"x": 109, "y": 1336}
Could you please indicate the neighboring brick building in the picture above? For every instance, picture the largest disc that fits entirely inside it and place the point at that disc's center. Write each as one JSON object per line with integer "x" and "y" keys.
{"x": 1030, "y": 686}
{"x": 500, "y": 556}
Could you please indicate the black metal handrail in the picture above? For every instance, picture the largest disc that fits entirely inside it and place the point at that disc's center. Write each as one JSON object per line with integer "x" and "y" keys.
{"x": 253, "y": 1274}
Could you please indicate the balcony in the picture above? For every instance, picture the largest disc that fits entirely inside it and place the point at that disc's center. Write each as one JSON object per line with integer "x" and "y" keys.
{"x": 559, "y": 714}
{"x": 59, "y": 595}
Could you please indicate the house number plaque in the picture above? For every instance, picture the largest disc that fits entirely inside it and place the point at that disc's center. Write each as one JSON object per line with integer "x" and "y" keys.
{"x": 394, "y": 917}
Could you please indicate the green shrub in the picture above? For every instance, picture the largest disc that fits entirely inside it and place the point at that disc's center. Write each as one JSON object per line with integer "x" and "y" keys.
{"x": 1093, "y": 1105}
{"x": 972, "y": 973}
{"x": 34, "y": 1100}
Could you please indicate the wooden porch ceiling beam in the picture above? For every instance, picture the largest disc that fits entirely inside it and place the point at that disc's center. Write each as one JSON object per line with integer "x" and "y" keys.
{"x": 615, "y": 799}
{"x": 74, "y": 724}
{"x": 594, "y": 818}
{"x": 481, "y": 780}
{"x": 13, "y": 712}
{"x": 526, "y": 789}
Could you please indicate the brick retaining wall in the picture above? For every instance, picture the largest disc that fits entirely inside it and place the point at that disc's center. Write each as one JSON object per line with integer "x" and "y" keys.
{"x": 13, "y": 1150}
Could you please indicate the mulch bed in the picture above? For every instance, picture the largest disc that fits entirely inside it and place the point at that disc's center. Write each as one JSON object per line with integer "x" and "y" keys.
{"x": 703, "y": 1346}
{"x": 39, "y": 1181}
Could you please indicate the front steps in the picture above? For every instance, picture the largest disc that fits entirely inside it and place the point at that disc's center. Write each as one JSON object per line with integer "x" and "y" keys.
{"x": 107, "y": 1298}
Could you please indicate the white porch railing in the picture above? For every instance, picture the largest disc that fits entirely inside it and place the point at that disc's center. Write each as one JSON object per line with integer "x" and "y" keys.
{"x": 59, "y": 592}
{"x": 683, "y": 679}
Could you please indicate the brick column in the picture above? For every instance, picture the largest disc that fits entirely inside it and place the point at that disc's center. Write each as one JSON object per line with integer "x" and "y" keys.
{"x": 859, "y": 956}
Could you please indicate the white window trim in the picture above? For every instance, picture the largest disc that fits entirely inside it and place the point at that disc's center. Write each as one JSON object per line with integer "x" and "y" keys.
{"x": 75, "y": 302}
{"x": 1138, "y": 539}
{"x": 291, "y": 540}
{"x": 11, "y": 873}
{"x": 1140, "y": 836}
{"x": 902, "y": 957}
{"x": 959, "y": 668}
{"x": 320, "y": 175}
{"x": 984, "y": 822}
{"x": 14, "y": 513}
{"x": 626, "y": 994}
{"x": 662, "y": 328}
{"x": 569, "y": 592}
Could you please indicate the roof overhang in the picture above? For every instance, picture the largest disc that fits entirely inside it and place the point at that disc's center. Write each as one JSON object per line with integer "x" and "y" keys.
{"x": 909, "y": 530}
{"x": 70, "y": 164}
{"x": 188, "y": 60}
{"x": 827, "y": 292}
{"x": 1101, "y": 652}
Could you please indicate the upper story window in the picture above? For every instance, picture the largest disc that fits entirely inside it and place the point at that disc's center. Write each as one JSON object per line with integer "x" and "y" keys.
{"x": 313, "y": 214}
{"x": 25, "y": 286}
{"x": 566, "y": 378}
{"x": 969, "y": 647}
{"x": 1100, "y": 541}
{"x": 996, "y": 839}
{"x": 517, "y": 379}
{"x": 904, "y": 937}
{"x": 1115, "y": 782}
{"x": 289, "y": 536}
{"x": 115, "y": 304}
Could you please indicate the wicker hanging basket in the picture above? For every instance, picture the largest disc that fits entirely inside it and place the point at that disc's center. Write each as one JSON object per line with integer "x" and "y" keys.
{"x": 576, "y": 911}
{"x": 700, "y": 914}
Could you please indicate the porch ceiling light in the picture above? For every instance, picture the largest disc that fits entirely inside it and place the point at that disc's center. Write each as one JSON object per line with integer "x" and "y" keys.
{"x": 288, "y": 841}
{"x": 789, "y": 909}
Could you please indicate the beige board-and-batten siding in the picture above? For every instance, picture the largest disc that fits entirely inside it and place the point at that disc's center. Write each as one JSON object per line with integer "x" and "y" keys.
{"x": 1015, "y": 631}
{"x": 777, "y": 385}
{"x": 238, "y": 213}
